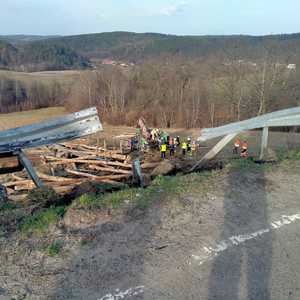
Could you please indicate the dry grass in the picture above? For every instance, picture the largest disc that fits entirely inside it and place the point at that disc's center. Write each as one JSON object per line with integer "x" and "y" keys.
{"x": 65, "y": 78}
{"x": 28, "y": 117}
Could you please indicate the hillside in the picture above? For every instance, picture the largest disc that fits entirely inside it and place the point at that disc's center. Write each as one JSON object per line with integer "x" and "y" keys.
{"x": 8, "y": 54}
{"x": 135, "y": 46}
{"x": 39, "y": 57}
{"x": 38, "y": 53}
{"x": 22, "y": 38}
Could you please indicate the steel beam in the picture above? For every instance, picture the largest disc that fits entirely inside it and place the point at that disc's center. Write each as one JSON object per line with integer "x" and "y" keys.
{"x": 264, "y": 142}
{"x": 214, "y": 151}
{"x": 58, "y": 130}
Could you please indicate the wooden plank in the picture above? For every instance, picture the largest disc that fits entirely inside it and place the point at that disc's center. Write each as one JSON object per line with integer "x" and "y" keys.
{"x": 150, "y": 165}
{"x": 214, "y": 151}
{"x": 95, "y": 154}
{"x": 264, "y": 142}
{"x": 29, "y": 168}
{"x": 19, "y": 182}
{"x": 109, "y": 170}
{"x": 96, "y": 177}
{"x": 60, "y": 161}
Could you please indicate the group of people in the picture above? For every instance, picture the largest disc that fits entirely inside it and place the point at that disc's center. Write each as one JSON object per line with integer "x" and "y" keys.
{"x": 240, "y": 148}
{"x": 176, "y": 145}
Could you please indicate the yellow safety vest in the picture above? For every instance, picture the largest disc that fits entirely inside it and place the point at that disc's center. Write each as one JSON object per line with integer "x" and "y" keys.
{"x": 163, "y": 148}
{"x": 184, "y": 145}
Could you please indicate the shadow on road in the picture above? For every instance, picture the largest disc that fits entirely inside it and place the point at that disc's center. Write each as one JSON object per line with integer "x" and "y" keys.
{"x": 243, "y": 271}
{"x": 110, "y": 262}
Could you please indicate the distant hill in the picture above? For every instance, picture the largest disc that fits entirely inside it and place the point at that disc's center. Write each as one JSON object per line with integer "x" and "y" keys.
{"x": 138, "y": 46}
{"x": 22, "y": 38}
{"x": 74, "y": 52}
{"x": 39, "y": 57}
{"x": 8, "y": 55}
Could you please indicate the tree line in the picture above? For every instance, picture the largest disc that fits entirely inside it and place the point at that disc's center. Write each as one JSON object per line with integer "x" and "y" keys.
{"x": 169, "y": 92}
{"x": 180, "y": 93}
{"x": 17, "y": 95}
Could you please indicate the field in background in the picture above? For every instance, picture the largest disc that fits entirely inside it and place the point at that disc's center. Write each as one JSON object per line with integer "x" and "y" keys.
{"x": 65, "y": 78}
{"x": 28, "y": 117}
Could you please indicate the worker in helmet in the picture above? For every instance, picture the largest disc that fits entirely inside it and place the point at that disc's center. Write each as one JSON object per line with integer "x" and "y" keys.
{"x": 172, "y": 147}
{"x": 244, "y": 151}
{"x": 184, "y": 147}
{"x": 189, "y": 145}
{"x": 237, "y": 145}
{"x": 163, "y": 150}
{"x": 193, "y": 148}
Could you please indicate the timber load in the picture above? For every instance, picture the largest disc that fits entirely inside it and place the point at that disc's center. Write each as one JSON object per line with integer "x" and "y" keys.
{"x": 66, "y": 165}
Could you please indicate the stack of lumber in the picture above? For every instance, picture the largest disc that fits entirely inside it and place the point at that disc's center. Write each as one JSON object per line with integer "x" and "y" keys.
{"x": 66, "y": 165}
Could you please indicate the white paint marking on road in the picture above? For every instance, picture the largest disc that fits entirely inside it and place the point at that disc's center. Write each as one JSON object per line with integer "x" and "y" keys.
{"x": 121, "y": 295}
{"x": 211, "y": 252}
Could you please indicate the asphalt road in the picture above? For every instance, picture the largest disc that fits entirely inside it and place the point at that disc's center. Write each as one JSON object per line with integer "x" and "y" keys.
{"x": 241, "y": 242}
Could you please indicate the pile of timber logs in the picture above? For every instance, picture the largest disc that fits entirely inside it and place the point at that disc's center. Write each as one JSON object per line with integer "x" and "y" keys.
{"x": 66, "y": 165}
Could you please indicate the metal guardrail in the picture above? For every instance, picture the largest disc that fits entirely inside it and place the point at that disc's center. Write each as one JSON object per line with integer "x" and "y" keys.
{"x": 281, "y": 118}
{"x": 69, "y": 127}
{"x": 72, "y": 126}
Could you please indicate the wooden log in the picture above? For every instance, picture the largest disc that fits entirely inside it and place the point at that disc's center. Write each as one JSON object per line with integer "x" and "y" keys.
{"x": 11, "y": 162}
{"x": 57, "y": 179}
{"x": 15, "y": 183}
{"x": 25, "y": 187}
{"x": 60, "y": 161}
{"x": 109, "y": 170}
{"x": 150, "y": 165}
{"x": 107, "y": 154}
{"x": 96, "y": 177}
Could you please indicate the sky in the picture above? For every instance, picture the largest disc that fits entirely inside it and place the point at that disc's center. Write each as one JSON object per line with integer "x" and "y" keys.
{"x": 182, "y": 17}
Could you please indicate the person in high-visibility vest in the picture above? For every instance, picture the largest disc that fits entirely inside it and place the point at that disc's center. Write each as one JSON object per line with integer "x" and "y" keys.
{"x": 163, "y": 150}
{"x": 184, "y": 148}
{"x": 244, "y": 152}
{"x": 193, "y": 147}
{"x": 188, "y": 144}
{"x": 237, "y": 145}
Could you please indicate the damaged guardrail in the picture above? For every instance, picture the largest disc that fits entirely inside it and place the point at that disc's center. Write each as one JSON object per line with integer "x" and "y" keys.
{"x": 281, "y": 118}
{"x": 69, "y": 127}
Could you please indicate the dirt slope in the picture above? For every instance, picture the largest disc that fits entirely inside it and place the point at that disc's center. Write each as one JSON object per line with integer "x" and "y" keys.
{"x": 234, "y": 235}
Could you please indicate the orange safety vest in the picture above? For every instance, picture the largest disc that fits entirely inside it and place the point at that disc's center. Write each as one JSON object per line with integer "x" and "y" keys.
{"x": 237, "y": 143}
